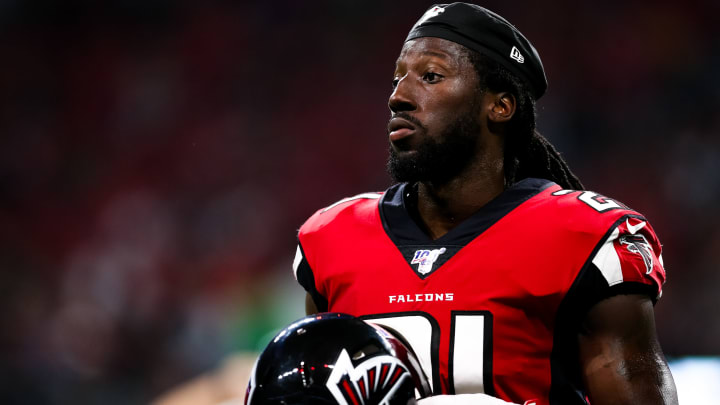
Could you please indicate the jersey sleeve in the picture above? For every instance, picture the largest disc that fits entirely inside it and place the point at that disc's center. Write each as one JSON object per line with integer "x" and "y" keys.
{"x": 627, "y": 261}
{"x": 317, "y": 239}
{"x": 304, "y": 275}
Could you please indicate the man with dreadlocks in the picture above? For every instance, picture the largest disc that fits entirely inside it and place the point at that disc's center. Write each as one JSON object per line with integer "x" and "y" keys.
{"x": 508, "y": 279}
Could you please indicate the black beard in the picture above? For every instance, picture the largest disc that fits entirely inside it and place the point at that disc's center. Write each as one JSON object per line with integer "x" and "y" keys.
{"x": 438, "y": 161}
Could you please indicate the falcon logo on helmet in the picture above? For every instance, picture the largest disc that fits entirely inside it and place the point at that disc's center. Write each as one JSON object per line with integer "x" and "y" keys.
{"x": 375, "y": 379}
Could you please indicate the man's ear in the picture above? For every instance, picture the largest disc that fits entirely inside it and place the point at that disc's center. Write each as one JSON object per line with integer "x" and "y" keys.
{"x": 501, "y": 108}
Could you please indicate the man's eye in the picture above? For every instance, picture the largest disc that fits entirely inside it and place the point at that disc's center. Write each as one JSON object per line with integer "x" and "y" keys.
{"x": 395, "y": 82}
{"x": 432, "y": 77}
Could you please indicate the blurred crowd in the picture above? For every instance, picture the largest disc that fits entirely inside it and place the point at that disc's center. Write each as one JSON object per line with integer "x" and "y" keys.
{"x": 157, "y": 158}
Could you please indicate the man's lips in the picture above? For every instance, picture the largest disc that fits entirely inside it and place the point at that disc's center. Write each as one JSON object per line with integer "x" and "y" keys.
{"x": 399, "y": 128}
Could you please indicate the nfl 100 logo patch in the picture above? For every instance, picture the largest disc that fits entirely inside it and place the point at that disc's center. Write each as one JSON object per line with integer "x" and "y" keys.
{"x": 425, "y": 258}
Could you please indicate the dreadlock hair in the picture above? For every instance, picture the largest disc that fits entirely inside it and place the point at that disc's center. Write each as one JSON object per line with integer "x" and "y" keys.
{"x": 526, "y": 152}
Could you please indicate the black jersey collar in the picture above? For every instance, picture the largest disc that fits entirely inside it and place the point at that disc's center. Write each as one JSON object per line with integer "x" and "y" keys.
{"x": 403, "y": 230}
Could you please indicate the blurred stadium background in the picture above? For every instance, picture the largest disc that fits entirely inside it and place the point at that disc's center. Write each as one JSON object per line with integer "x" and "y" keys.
{"x": 157, "y": 157}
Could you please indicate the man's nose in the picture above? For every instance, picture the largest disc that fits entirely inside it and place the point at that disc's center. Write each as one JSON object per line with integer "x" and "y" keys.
{"x": 402, "y": 98}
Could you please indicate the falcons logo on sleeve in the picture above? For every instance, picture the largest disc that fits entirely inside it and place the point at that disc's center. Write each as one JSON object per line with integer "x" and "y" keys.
{"x": 639, "y": 245}
{"x": 372, "y": 381}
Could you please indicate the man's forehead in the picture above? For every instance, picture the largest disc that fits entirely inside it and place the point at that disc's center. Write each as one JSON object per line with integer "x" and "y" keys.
{"x": 429, "y": 46}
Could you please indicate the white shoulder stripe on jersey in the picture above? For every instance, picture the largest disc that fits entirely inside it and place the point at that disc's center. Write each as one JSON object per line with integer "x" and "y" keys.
{"x": 608, "y": 261}
{"x": 296, "y": 262}
{"x": 367, "y": 196}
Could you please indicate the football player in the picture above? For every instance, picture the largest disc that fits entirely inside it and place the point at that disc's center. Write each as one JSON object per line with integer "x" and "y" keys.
{"x": 509, "y": 280}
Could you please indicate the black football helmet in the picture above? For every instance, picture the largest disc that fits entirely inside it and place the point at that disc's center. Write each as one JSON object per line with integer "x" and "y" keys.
{"x": 336, "y": 359}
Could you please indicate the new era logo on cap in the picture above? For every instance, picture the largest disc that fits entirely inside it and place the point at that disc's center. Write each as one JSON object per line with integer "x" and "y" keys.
{"x": 515, "y": 54}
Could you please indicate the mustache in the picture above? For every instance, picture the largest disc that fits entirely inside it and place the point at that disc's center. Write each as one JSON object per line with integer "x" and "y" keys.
{"x": 410, "y": 119}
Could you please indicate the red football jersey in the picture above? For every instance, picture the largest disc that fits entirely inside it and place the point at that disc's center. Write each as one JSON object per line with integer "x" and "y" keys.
{"x": 494, "y": 305}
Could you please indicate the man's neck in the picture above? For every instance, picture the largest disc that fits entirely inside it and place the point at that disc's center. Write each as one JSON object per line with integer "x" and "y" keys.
{"x": 442, "y": 207}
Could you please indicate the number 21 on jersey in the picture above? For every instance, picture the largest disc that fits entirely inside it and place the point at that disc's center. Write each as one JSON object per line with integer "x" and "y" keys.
{"x": 470, "y": 352}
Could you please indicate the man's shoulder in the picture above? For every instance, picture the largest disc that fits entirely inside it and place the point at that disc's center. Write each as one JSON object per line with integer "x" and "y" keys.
{"x": 586, "y": 202}
{"x": 584, "y": 210}
{"x": 355, "y": 208}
